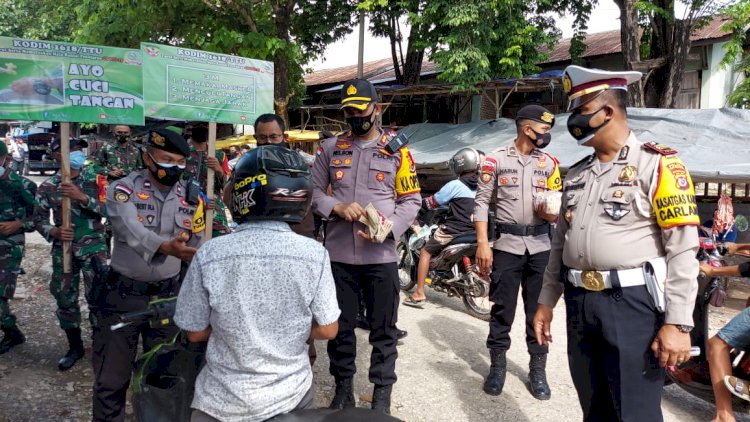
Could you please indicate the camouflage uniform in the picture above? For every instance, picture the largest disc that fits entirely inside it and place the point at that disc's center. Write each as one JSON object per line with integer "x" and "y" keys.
{"x": 89, "y": 249}
{"x": 197, "y": 167}
{"x": 16, "y": 203}
{"x": 112, "y": 157}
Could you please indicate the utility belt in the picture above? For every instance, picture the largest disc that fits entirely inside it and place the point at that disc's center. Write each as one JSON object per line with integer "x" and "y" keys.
{"x": 652, "y": 274}
{"x": 522, "y": 230}
{"x": 126, "y": 285}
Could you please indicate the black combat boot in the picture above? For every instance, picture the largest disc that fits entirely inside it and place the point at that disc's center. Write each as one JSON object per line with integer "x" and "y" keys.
{"x": 538, "y": 376}
{"x": 493, "y": 384}
{"x": 12, "y": 337}
{"x": 381, "y": 398}
{"x": 75, "y": 351}
{"x": 344, "y": 394}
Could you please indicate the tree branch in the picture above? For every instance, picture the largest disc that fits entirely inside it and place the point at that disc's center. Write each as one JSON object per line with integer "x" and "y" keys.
{"x": 244, "y": 14}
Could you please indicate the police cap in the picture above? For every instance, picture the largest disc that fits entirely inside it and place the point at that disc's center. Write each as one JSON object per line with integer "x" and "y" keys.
{"x": 358, "y": 93}
{"x": 579, "y": 81}
{"x": 536, "y": 113}
{"x": 167, "y": 140}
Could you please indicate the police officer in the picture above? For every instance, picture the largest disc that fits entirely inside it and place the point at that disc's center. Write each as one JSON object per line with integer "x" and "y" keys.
{"x": 198, "y": 163}
{"x": 16, "y": 217}
{"x": 624, "y": 234}
{"x": 155, "y": 228}
{"x": 519, "y": 174}
{"x": 365, "y": 166}
{"x": 88, "y": 247}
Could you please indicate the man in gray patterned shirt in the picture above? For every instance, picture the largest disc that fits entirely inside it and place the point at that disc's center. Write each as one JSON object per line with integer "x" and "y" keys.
{"x": 257, "y": 305}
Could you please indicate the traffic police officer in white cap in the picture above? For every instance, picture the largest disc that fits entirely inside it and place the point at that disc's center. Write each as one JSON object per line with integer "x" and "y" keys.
{"x": 623, "y": 255}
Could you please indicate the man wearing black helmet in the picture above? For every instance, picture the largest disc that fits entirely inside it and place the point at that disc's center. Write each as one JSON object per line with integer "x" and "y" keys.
{"x": 521, "y": 177}
{"x": 257, "y": 364}
{"x": 155, "y": 228}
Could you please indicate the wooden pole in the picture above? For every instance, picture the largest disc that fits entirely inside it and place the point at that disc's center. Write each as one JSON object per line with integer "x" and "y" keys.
{"x": 65, "y": 168}
{"x": 210, "y": 178}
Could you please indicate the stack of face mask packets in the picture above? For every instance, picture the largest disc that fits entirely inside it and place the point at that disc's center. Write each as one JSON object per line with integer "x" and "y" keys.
{"x": 377, "y": 225}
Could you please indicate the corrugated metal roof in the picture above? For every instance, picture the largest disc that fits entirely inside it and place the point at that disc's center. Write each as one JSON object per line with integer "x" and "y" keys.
{"x": 374, "y": 70}
{"x": 604, "y": 43}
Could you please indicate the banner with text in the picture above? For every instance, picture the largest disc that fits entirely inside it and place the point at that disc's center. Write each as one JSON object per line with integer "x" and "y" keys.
{"x": 184, "y": 84}
{"x": 64, "y": 82}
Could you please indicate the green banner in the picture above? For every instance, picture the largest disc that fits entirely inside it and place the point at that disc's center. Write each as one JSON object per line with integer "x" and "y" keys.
{"x": 184, "y": 84}
{"x": 63, "y": 82}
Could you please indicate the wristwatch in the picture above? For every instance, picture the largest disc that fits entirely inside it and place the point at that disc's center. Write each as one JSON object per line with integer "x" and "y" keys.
{"x": 684, "y": 328}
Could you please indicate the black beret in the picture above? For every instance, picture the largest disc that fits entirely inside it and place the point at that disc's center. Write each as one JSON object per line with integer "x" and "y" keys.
{"x": 536, "y": 113}
{"x": 167, "y": 140}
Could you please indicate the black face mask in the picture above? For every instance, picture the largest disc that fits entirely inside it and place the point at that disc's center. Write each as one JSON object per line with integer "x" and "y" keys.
{"x": 360, "y": 124}
{"x": 166, "y": 174}
{"x": 122, "y": 139}
{"x": 470, "y": 180}
{"x": 542, "y": 139}
{"x": 579, "y": 126}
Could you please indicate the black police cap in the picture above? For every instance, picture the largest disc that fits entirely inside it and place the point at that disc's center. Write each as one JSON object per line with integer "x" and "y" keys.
{"x": 536, "y": 113}
{"x": 167, "y": 140}
{"x": 358, "y": 93}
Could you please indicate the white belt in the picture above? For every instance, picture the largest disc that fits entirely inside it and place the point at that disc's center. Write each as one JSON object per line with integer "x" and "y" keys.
{"x": 600, "y": 280}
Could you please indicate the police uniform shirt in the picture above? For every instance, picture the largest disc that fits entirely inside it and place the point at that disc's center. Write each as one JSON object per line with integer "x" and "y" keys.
{"x": 364, "y": 172}
{"x": 142, "y": 218}
{"x": 613, "y": 217}
{"x": 516, "y": 180}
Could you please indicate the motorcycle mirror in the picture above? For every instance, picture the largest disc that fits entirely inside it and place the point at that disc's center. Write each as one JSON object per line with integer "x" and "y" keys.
{"x": 740, "y": 222}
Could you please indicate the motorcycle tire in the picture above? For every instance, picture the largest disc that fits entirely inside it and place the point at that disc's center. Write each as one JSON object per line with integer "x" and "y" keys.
{"x": 478, "y": 306}
{"x": 406, "y": 264}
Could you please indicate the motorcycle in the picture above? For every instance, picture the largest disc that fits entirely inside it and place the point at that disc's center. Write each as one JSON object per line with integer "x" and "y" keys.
{"x": 693, "y": 376}
{"x": 452, "y": 271}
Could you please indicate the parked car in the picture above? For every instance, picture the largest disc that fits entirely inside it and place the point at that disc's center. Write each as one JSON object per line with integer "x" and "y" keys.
{"x": 38, "y": 160}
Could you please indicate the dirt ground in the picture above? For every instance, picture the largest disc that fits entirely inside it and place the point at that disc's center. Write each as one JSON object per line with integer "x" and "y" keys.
{"x": 441, "y": 365}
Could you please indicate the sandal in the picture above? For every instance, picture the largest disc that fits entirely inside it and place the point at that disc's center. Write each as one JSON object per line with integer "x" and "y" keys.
{"x": 410, "y": 301}
{"x": 738, "y": 387}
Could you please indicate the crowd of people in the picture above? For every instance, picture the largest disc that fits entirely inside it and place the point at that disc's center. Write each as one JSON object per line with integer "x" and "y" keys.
{"x": 609, "y": 238}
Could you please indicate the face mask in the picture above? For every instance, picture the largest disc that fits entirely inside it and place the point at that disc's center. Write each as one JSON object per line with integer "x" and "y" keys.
{"x": 580, "y": 128}
{"x": 542, "y": 139}
{"x": 166, "y": 174}
{"x": 470, "y": 180}
{"x": 360, "y": 124}
{"x": 77, "y": 159}
{"x": 122, "y": 139}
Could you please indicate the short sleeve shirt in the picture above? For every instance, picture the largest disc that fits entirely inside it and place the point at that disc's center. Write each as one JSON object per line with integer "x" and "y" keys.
{"x": 259, "y": 301}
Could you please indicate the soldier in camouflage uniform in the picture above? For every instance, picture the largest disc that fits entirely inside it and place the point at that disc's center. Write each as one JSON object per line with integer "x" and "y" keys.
{"x": 16, "y": 217}
{"x": 88, "y": 244}
{"x": 198, "y": 164}
{"x": 116, "y": 161}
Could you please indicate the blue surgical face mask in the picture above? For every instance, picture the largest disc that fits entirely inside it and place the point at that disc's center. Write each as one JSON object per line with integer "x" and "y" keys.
{"x": 77, "y": 158}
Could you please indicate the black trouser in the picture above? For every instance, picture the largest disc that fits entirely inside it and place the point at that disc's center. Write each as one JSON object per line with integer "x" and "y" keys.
{"x": 609, "y": 352}
{"x": 509, "y": 272}
{"x": 379, "y": 286}
{"x": 114, "y": 352}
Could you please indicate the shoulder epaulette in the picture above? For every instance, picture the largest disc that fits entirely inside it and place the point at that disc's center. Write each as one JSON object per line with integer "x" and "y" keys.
{"x": 587, "y": 159}
{"x": 552, "y": 157}
{"x": 659, "y": 148}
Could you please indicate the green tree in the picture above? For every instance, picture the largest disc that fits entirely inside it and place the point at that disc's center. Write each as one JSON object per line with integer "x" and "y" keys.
{"x": 36, "y": 19}
{"x": 736, "y": 57}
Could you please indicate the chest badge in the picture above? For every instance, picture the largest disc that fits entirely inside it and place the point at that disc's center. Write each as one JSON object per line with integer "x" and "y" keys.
{"x": 347, "y": 161}
{"x": 150, "y": 219}
{"x": 336, "y": 162}
{"x": 627, "y": 174}
{"x": 339, "y": 174}
{"x": 541, "y": 164}
{"x": 380, "y": 176}
{"x": 143, "y": 196}
{"x": 618, "y": 194}
{"x": 503, "y": 180}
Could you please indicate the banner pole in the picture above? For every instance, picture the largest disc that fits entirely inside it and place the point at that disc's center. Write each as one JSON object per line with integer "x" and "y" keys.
{"x": 65, "y": 168}
{"x": 210, "y": 179}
